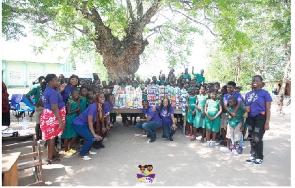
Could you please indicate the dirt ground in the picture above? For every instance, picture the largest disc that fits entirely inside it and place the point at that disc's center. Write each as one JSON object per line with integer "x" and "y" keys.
{"x": 181, "y": 162}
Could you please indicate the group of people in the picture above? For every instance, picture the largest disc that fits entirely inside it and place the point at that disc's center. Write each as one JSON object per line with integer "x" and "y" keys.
{"x": 66, "y": 110}
{"x": 214, "y": 110}
{"x": 77, "y": 108}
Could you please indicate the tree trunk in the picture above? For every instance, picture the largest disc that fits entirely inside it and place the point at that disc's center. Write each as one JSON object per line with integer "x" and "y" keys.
{"x": 121, "y": 58}
{"x": 282, "y": 90}
{"x": 124, "y": 62}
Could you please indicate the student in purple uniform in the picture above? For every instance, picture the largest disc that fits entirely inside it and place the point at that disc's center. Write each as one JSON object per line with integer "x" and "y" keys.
{"x": 231, "y": 92}
{"x": 258, "y": 103}
{"x": 73, "y": 82}
{"x": 150, "y": 121}
{"x": 107, "y": 108}
{"x": 168, "y": 120}
{"x": 52, "y": 120}
{"x": 84, "y": 125}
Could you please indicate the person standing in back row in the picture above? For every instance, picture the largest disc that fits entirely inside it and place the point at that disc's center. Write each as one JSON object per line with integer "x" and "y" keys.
{"x": 36, "y": 92}
{"x": 258, "y": 103}
{"x": 200, "y": 77}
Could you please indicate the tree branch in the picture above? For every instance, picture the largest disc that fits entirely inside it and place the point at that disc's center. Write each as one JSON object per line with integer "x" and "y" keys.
{"x": 129, "y": 6}
{"x": 195, "y": 21}
{"x": 139, "y": 9}
{"x": 145, "y": 19}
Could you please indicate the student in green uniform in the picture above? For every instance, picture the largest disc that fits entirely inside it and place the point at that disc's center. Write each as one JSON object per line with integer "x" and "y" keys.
{"x": 36, "y": 92}
{"x": 69, "y": 133}
{"x": 200, "y": 114}
{"x": 186, "y": 76}
{"x": 191, "y": 99}
{"x": 200, "y": 77}
{"x": 83, "y": 101}
{"x": 212, "y": 120}
{"x": 234, "y": 127}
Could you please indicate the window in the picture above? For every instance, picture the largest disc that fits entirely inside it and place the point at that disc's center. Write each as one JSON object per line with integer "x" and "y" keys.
{"x": 32, "y": 75}
{"x": 14, "y": 75}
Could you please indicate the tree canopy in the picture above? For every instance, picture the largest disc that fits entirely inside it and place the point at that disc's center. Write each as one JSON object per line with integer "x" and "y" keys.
{"x": 249, "y": 33}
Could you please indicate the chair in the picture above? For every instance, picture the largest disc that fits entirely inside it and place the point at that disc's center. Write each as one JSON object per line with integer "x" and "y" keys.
{"x": 15, "y": 105}
{"x": 35, "y": 162}
{"x": 28, "y": 106}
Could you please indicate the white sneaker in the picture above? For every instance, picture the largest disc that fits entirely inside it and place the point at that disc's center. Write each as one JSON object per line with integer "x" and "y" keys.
{"x": 226, "y": 150}
{"x": 212, "y": 144}
{"x": 235, "y": 152}
{"x": 92, "y": 152}
{"x": 208, "y": 144}
{"x": 199, "y": 137}
{"x": 85, "y": 158}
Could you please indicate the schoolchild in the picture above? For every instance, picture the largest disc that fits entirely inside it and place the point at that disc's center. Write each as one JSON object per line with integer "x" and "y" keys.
{"x": 212, "y": 120}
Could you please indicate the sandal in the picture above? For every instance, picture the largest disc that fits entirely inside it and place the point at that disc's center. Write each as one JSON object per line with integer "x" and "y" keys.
{"x": 193, "y": 139}
{"x": 58, "y": 155}
{"x": 53, "y": 161}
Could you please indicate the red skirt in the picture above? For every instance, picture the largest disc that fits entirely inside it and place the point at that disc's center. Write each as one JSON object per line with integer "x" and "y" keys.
{"x": 49, "y": 123}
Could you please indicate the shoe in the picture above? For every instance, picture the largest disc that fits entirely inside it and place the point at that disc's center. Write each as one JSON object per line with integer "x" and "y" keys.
{"x": 251, "y": 160}
{"x": 240, "y": 150}
{"x": 189, "y": 135}
{"x": 208, "y": 144}
{"x": 258, "y": 162}
{"x": 92, "y": 152}
{"x": 72, "y": 151}
{"x": 203, "y": 140}
{"x": 96, "y": 145}
{"x": 170, "y": 139}
{"x": 212, "y": 144}
{"x": 222, "y": 142}
{"x": 85, "y": 158}
{"x": 226, "y": 150}
{"x": 101, "y": 145}
{"x": 232, "y": 147}
{"x": 198, "y": 137}
{"x": 235, "y": 152}
{"x": 152, "y": 139}
{"x": 68, "y": 153}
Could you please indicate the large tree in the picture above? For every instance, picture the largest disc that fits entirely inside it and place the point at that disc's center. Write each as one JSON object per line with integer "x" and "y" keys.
{"x": 119, "y": 30}
{"x": 114, "y": 28}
